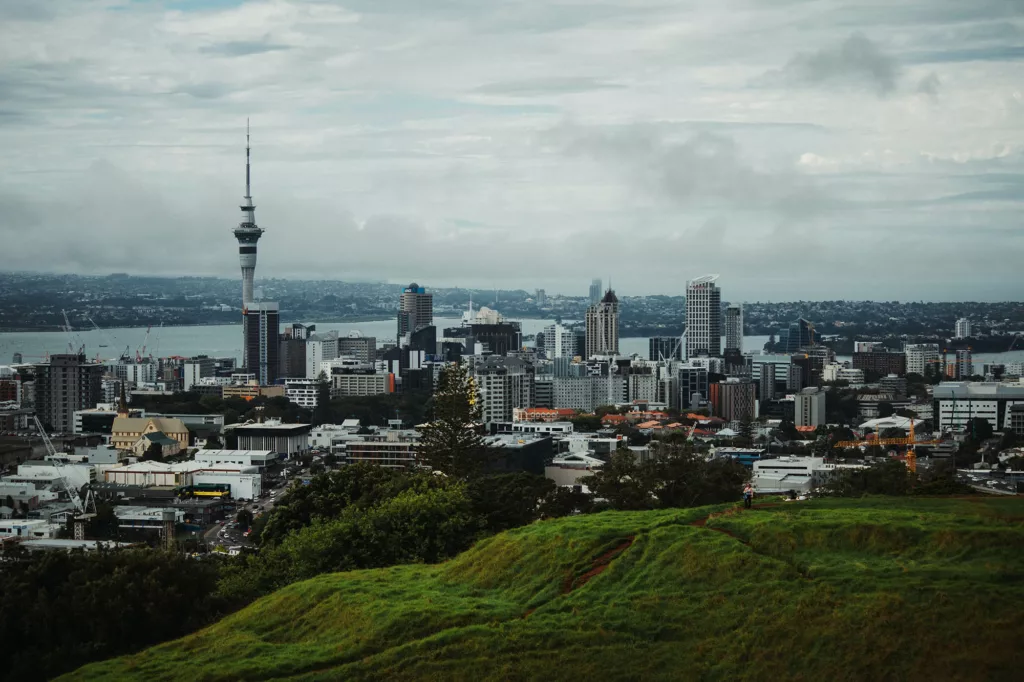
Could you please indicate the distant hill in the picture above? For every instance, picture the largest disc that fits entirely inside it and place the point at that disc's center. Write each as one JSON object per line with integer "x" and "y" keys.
{"x": 881, "y": 588}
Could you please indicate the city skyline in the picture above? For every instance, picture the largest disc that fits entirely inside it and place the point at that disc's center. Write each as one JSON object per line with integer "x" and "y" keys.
{"x": 874, "y": 149}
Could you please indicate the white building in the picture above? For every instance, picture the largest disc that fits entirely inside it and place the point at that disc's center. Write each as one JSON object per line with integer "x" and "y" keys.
{"x": 285, "y": 439}
{"x": 28, "y": 528}
{"x": 921, "y": 356}
{"x": 837, "y": 372}
{"x": 963, "y": 329}
{"x": 322, "y": 437}
{"x": 809, "y": 406}
{"x": 259, "y": 459}
{"x": 191, "y": 375}
{"x": 703, "y": 317}
{"x": 559, "y": 342}
{"x": 302, "y": 392}
{"x": 782, "y": 474}
{"x": 320, "y": 347}
{"x": 956, "y": 402}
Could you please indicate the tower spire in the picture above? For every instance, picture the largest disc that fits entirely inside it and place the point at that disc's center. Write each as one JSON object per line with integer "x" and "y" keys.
{"x": 247, "y": 193}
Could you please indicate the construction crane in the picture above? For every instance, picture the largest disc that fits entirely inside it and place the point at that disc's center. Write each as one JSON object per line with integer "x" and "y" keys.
{"x": 138, "y": 355}
{"x": 81, "y": 506}
{"x": 910, "y": 441}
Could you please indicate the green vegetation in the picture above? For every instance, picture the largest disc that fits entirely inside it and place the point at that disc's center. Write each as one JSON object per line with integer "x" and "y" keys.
{"x": 59, "y": 610}
{"x": 874, "y": 588}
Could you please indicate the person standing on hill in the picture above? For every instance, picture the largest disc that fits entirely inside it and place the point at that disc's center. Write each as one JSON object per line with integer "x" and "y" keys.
{"x": 748, "y": 496}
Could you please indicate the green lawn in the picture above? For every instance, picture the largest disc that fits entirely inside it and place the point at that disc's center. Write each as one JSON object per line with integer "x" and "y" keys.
{"x": 874, "y": 589}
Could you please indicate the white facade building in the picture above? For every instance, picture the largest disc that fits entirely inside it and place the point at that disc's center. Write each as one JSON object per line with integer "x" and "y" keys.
{"x": 921, "y": 356}
{"x": 703, "y": 317}
{"x": 302, "y": 392}
{"x": 320, "y": 347}
{"x": 963, "y": 329}
{"x": 559, "y": 342}
{"x": 362, "y": 384}
{"x": 956, "y": 402}
{"x": 782, "y": 474}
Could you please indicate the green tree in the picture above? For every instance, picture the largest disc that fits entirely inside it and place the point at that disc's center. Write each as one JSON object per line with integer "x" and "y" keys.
{"x": 746, "y": 434}
{"x": 451, "y": 442}
{"x": 427, "y": 523}
{"x": 322, "y": 413}
{"x": 155, "y": 453}
{"x": 586, "y": 423}
{"x": 244, "y": 518}
{"x": 60, "y": 610}
{"x": 679, "y": 477}
{"x": 621, "y": 482}
{"x": 565, "y": 501}
{"x": 508, "y": 501}
{"x": 884, "y": 409}
{"x": 328, "y": 495}
{"x": 888, "y": 477}
{"x": 978, "y": 429}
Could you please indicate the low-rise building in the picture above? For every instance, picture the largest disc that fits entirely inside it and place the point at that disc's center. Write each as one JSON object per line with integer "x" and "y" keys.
{"x": 362, "y": 384}
{"x": 285, "y": 439}
{"x": 394, "y": 449}
{"x": 782, "y": 474}
{"x": 125, "y": 432}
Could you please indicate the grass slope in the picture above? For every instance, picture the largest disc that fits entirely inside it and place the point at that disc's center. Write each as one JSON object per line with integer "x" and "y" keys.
{"x": 830, "y": 589}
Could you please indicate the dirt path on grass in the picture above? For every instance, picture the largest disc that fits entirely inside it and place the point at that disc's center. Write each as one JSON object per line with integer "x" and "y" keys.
{"x": 598, "y": 566}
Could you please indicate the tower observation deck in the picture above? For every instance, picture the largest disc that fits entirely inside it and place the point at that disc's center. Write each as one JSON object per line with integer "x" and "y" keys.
{"x": 247, "y": 233}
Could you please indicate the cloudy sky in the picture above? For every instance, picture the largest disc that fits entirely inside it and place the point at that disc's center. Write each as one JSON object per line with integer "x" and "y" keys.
{"x": 803, "y": 150}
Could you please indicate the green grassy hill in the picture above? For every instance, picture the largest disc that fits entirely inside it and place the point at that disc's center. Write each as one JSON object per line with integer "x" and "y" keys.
{"x": 827, "y": 590}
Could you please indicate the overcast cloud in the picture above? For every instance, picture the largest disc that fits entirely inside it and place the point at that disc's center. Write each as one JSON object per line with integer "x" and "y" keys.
{"x": 803, "y": 150}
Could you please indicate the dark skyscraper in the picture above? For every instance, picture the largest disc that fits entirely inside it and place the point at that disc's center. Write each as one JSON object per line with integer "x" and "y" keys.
{"x": 260, "y": 329}
{"x": 63, "y": 385}
{"x": 665, "y": 347}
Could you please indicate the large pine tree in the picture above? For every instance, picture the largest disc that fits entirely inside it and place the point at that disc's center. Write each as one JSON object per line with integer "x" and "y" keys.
{"x": 451, "y": 443}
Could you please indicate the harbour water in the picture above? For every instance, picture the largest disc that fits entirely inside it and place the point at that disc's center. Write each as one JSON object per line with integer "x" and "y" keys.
{"x": 225, "y": 340}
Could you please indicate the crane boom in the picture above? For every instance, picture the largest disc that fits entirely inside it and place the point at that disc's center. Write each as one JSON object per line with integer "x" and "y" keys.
{"x": 73, "y": 495}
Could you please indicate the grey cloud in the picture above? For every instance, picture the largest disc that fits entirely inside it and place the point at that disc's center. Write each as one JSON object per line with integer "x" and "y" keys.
{"x": 856, "y": 61}
{"x": 243, "y": 48}
{"x": 999, "y": 53}
{"x": 705, "y": 168}
{"x": 206, "y": 90}
{"x": 929, "y": 85}
{"x": 545, "y": 86}
{"x": 24, "y": 10}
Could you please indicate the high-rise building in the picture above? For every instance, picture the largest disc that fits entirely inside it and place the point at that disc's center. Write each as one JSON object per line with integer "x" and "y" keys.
{"x": 809, "y": 407}
{"x": 923, "y": 359}
{"x": 603, "y": 326}
{"x": 247, "y": 233}
{"x": 703, "y": 317}
{"x": 734, "y": 327}
{"x": 734, "y": 400}
{"x": 665, "y": 348}
{"x": 964, "y": 365}
{"x": 362, "y": 348}
{"x": 261, "y": 329}
{"x": 415, "y": 310}
{"x": 64, "y": 385}
{"x": 799, "y": 334}
{"x": 559, "y": 342}
{"x": 963, "y": 329}
{"x": 595, "y": 292}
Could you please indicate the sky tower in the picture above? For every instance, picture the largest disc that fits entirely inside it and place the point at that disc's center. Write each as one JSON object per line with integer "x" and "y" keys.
{"x": 247, "y": 233}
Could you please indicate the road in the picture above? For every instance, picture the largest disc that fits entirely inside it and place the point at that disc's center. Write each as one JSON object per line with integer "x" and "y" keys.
{"x": 223, "y": 534}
